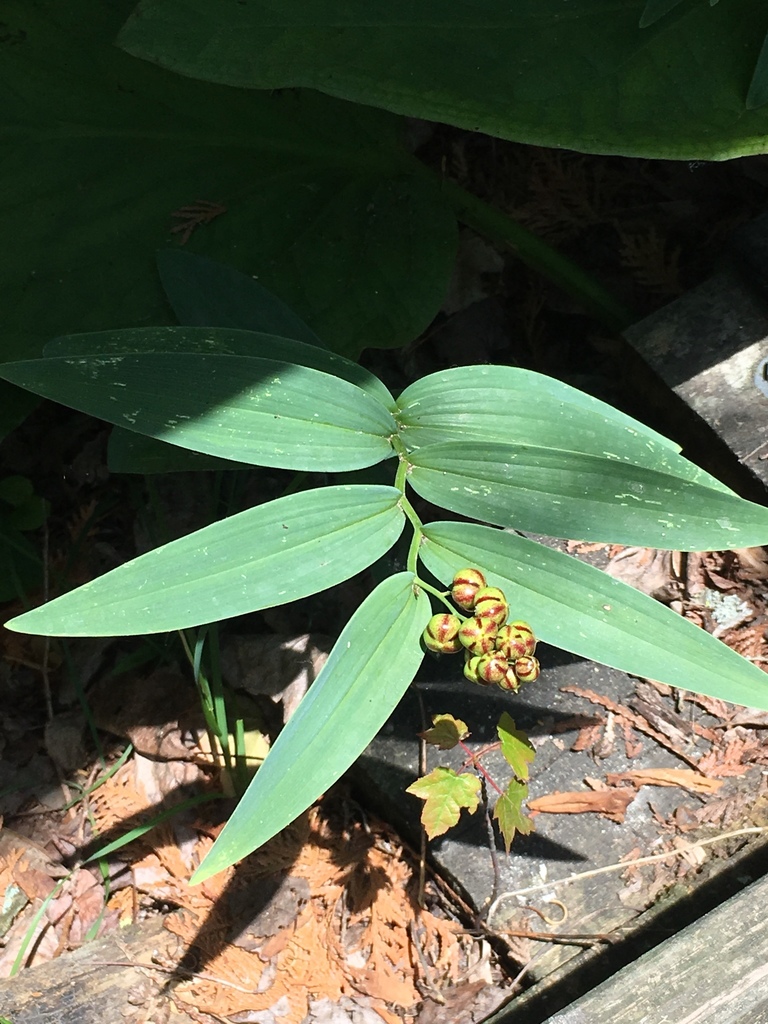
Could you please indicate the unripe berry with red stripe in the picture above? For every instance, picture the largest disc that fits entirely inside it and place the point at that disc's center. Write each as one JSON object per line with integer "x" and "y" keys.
{"x": 510, "y": 681}
{"x": 466, "y": 584}
{"x": 490, "y": 603}
{"x": 442, "y": 634}
{"x": 492, "y": 668}
{"x": 478, "y": 635}
{"x": 527, "y": 670}
{"x": 516, "y": 640}
{"x": 470, "y": 669}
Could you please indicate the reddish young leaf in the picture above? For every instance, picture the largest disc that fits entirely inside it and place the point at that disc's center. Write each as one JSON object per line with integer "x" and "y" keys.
{"x": 444, "y": 794}
{"x": 446, "y": 731}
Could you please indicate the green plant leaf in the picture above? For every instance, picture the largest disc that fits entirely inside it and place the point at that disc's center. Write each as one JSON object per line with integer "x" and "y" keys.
{"x": 368, "y": 671}
{"x": 515, "y": 746}
{"x": 128, "y": 452}
{"x": 506, "y": 404}
{"x": 204, "y": 293}
{"x": 584, "y": 77}
{"x": 580, "y": 609}
{"x": 445, "y": 732}
{"x": 259, "y": 411}
{"x": 566, "y": 493}
{"x": 269, "y": 555}
{"x": 655, "y": 9}
{"x": 445, "y": 794}
{"x": 758, "y": 87}
{"x": 509, "y": 812}
{"x": 224, "y": 341}
{"x": 100, "y": 149}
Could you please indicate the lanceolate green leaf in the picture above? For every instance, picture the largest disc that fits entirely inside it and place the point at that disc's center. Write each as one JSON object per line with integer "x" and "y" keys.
{"x": 205, "y": 293}
{"x": 269, "y": 555}
{"x": 259, "y": 411}
{"x": 222, "y": 341}
{"x": 580, "y": 74}
{"x": 563, "y": 493}
{"x": 368, "y": 671}
{"x": 580, "y": 609}
{"x": 509, "y": 404}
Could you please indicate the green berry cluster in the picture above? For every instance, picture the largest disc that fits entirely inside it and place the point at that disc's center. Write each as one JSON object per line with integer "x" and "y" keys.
{"x": 495, "y": 651}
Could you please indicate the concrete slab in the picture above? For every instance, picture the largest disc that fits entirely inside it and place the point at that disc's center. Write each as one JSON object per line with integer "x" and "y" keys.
{"x": 711, "y": 347}
{"x": 562, "y": 844}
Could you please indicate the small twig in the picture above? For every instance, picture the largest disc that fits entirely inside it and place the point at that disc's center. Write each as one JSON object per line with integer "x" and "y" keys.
{"x": 422, "y": 773}
{"x": 564, "y": 939}
{"x": 434, "y": 992}
{"x": 47, "y": 642}
{"x": 623, "y": 865}
{"x": 173, "y": 970}
{"x": 491, "y": 842}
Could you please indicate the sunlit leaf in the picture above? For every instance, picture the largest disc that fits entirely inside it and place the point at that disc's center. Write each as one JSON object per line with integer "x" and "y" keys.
{"x": 516, "y": 748}
{"x": 269, "y": 555}
{"x": 508, "y": 404}
{"x": 580, "y": 609}
{"x": 368, "y": 671}
{"x": 562, "y": 493}
{"x": 260, "y": 411}
{"x": 222, "y": 341}
{"x": 445, "y": 732}
{"x": 509, "y": 813}
{"x": 445, "y": 794}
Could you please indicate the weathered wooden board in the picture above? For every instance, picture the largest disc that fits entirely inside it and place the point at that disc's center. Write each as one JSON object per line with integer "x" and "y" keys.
{"x": 96, "y": 984}
{"x": 711, "y": 347}
{"x": 713, "y": 972}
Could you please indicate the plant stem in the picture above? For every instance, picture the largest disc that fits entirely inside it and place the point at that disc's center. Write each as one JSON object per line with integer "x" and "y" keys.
{"x": 484, "y": 218}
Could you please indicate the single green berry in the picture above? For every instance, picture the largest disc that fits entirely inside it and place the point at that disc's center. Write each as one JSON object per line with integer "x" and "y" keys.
{"x": 527, "y": 669}
{"x": 478, "y": 635}
{"x": 516, "y": 640}
{"x": 470, "y": 669}
{"x": 490, "y": 603}
{"x": 492, "y": 668}
{"x": 466, "y": 584}
{"x": 510, "y": 681}
{"x": 442, "y": 634}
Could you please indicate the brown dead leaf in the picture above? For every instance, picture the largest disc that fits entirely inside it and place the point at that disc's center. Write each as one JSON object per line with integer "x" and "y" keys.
{"x": 733, "y": 756}
{"x": 637, "y": 720}
{"x": 587, "y": 738}
{"x": 683, "y": 777}
{"x": 612, "y": 803}
{"x": 753, "y": 563}
{"x": 34, "y": 884}
{"x": 647, "y": 570}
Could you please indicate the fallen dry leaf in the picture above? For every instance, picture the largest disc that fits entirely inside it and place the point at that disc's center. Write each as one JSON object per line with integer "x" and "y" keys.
{"x": 683, "y": 777}
{"x": 612, "y": 803}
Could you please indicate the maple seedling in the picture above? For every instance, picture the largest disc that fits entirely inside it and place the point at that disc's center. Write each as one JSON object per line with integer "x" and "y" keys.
{"x": 446, "y": 792}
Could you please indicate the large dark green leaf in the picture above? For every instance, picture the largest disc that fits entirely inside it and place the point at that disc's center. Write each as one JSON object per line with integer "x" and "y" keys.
{"x": 580, "y": 609}
{"x": 368, "y": 671}
{"x": 581, "y": 74}
{"x": 99, "y": 149}
{"x": 266, "y": 556}
{"x": 259, "y": 411}
{"x": 566, "y": 493}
